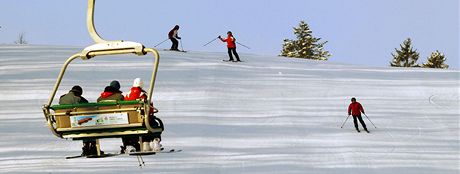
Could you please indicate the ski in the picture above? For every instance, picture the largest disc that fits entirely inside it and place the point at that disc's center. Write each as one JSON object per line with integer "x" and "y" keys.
{"x": 232, "y": 61}
{"x": 118, "y": 154}
{"x": 141, "y": 153}
{"x": 153, "y": 152}
{"x": 364, "y": 131}
{"x": 72, "y": 157}
{"x": 182, "y": 51}
{"x": 93, "y": 156}
{"x": 103, "y": 155}
{"x": 170, "y": 151}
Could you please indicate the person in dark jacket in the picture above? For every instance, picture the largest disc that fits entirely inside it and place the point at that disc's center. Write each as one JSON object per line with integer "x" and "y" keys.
{"x": 74, "y": 97}
{"x": 111, "y": 92}
{"x": 173, "y": 36}
{"x": 231, "y": 45}
{"x": 355, "y": 108}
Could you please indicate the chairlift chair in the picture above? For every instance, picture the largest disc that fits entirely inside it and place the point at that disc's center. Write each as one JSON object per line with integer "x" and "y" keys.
{"x": 113, "y": 119}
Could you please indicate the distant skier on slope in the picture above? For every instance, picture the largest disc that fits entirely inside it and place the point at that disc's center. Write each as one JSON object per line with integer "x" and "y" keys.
{"x": 172, "y": 35}
{"x": 355, "y": 108}
{"x": 231, "y": 45}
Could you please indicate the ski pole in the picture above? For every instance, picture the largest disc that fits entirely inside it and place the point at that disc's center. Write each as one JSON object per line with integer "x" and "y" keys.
{"x": 370, "y": 120}
{"x": 243, "y": 45}
{"x": 210, "y": 42}
{"x": 181, "y": 46}
{"x": 345, "y": 121}
{"x": 161, "y": 42}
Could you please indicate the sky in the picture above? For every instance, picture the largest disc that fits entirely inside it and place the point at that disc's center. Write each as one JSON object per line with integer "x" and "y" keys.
{"x": 360, "y": 32}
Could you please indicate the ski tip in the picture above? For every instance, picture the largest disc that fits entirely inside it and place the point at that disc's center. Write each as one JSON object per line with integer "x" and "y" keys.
{"x": 175, "y": 150}
{"x": 171, "y": 151}
{"x": 72, "y": 157}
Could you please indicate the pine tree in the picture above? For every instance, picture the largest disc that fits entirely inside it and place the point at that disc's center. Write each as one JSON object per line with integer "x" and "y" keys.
{"x": 306, "y": 46}
{"x": 406, "y": 57}
{"x": 436, "y": 60}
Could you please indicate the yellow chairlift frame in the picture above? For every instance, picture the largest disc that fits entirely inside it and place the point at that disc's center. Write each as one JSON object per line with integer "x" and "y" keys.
{"x": 101, "y": 48}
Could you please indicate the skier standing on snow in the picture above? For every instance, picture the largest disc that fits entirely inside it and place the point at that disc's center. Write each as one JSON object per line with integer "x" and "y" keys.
{"x": 172, "y": 35}
{"x": 355, "y": 108}
{"x": 231, "y": 45}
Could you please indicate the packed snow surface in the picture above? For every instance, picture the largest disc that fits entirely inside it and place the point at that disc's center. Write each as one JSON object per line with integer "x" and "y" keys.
{"x": 264, "y": 115}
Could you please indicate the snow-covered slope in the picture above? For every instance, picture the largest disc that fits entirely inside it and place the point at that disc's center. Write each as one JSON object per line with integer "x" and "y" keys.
{"x": 264, "y": 115}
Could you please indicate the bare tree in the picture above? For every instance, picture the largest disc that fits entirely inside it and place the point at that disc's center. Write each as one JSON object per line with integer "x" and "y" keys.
{"x": 21, "y": 39}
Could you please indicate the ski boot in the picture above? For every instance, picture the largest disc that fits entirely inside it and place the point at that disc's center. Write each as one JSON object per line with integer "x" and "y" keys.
{"x": 155, "y": 145}
{"x": 89, "y": 149}
{"x": 146, "y": 146}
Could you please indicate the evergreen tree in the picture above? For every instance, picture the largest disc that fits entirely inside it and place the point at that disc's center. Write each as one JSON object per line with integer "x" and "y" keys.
{"x": 406, "y": 57}
{"x": 306, "y": 46}
{"x": 436, "y": 60}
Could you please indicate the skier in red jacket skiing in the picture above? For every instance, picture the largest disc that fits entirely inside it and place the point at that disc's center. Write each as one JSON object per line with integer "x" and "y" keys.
{"x": 231, "y": 45}
{"x": 355, "y": 108}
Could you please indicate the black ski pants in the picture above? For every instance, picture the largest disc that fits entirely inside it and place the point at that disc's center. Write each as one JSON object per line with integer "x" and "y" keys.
{"x": 233, "y": 50}
{"x": 355, "y": 121}
{"x": 175, "y": 43}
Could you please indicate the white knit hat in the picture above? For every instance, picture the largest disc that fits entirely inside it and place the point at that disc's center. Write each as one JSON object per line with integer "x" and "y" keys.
{"x": 138, "y": 83}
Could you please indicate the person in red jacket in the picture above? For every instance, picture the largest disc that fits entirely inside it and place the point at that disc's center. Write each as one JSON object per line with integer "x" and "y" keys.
{"x": 150, "y": 142}
{"x": 231, "y": 45}
{"x": 355, "y": 108}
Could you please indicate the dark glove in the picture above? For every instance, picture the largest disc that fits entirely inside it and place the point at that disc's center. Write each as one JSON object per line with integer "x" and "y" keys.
{"x": 179, "y": 38}
{"x": 218, "y": 37}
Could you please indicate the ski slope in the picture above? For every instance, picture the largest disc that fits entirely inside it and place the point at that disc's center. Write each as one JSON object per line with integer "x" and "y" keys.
{"x": 265, "y": 115}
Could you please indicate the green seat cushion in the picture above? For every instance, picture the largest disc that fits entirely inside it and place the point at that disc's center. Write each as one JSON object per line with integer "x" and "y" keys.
{"x": 84, "y": 105}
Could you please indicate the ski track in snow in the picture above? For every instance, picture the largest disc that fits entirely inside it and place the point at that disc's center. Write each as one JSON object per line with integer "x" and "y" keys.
{"x": 264, "y": 115}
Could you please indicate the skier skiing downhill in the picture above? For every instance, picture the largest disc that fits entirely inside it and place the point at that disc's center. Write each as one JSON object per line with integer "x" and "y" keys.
{"x": 355, "y": 108}
{"x": 172, "y": 35}
{"x": 231, "y": 45}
